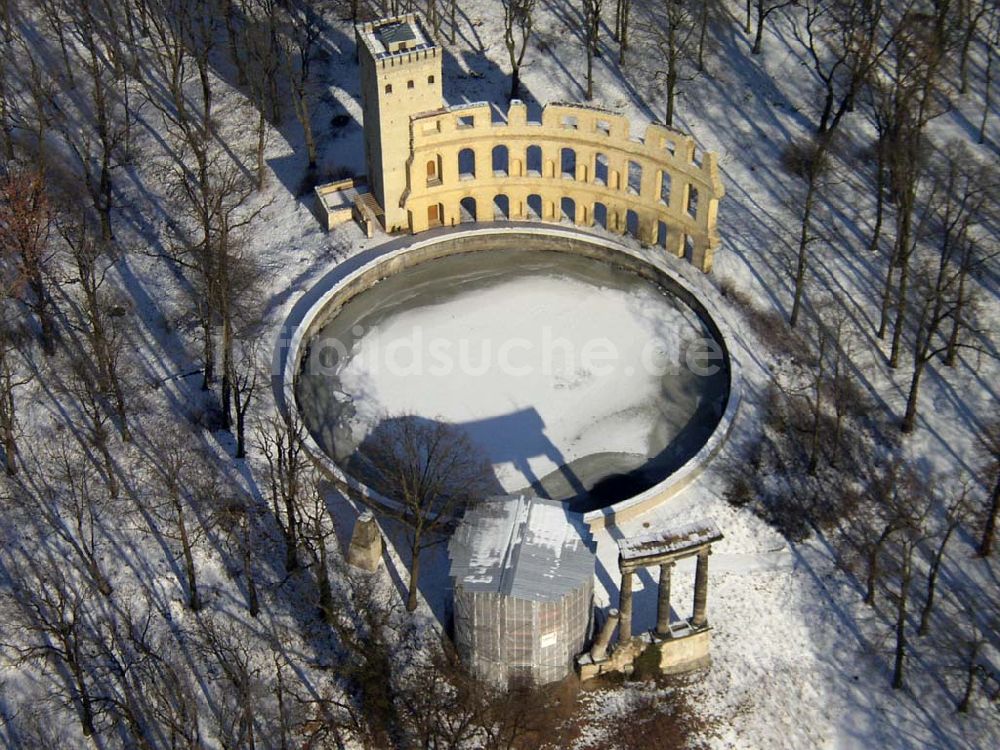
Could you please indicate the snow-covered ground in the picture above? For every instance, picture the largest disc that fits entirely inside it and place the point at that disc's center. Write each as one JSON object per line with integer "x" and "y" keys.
{"x": 798, "y": 660}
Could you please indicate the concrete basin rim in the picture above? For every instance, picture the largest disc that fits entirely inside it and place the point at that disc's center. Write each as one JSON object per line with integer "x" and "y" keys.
{"x": 665, "y": 269}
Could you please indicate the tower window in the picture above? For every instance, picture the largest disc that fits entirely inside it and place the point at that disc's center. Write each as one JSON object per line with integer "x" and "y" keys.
{"x": 388, "y": 88}
{"x": 430, "y": 79}
{"x": 409, "y": 84}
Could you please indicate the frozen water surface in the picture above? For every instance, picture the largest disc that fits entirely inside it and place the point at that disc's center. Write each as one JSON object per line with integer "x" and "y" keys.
{"x": 572, "y": 375}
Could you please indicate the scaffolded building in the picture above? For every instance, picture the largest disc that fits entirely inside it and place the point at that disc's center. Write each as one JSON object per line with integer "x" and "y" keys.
{"x": 522, "y": 570}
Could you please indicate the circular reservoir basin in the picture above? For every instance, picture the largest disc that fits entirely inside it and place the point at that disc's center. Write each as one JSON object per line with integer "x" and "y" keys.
{"x": 581, "y": 379}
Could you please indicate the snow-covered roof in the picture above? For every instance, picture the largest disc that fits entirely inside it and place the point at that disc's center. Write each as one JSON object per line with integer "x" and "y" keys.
{"x": 521, "y": 546}
{"x": 673, "y": 541}
{"x": 393, "y": 36}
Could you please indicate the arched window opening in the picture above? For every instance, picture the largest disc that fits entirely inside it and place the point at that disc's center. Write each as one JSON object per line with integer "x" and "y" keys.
{"x": 501, "y": 161}
{"x": 632, "y": 223}
{"x": 434, "y": 171}
{"x": 567, "y": 158}
{"x": 601, "y": 169}
{"x": 692, "y": 206}
{"x": 534, "y": 159}
{"x": 634, "y": 177}
{"x": 665, "y": 181}
{"x": 661, "y": 234}
{"x": 466, "y": 164}
{"x": 567, "y": 210}
{"x": 534, "y": 207}
{"x": 601, "y": 215}
{"x": 467, "y": 209}
{"x": 501, "y": 207}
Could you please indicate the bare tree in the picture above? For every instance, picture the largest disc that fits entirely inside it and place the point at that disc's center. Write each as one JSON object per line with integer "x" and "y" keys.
{"x": 245, "y": 376}
{"x": 101, "y": 325}
{"x": 623, "y": 9}
{"x": 60, "y": 494}
{"x": 299, "y": 41}
{"x": 677, "y": 24}
{"x": 908, "y": 546}
{"x": 989, "y": 470}
{"x": 811, "y": 162}
{"x": 13, "y": 372}
{"x": 764, "y": 10}
{"x": 241, "y": 710}
{"x": 591, "y": 36}
{"x": 955, "y": 516}
{"x": 518, "y": 22}
{"x": 992, "y": 42}
{"x": 970, "y": 15}
{"x": 956, "y": 201}
{"x": 52, "y": 610}
{"x": 432, "y": 470}
{"x": 238, "y": 517}
{"x": 315, "y": 532}
{"x": 179, "y": 475}
{"x": 845, "y": 41}
{"x": 92, "y": 418}
{"x": 289, "y": 476}
{"x": 25, "y": 229}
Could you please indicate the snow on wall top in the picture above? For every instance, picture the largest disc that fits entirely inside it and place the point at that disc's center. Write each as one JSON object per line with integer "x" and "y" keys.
{"x": 671, "y": 541}
{"x": 521, "y": 546}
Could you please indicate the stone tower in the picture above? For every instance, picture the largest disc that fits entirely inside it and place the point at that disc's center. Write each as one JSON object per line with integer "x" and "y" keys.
{"x": 400, "y": 76}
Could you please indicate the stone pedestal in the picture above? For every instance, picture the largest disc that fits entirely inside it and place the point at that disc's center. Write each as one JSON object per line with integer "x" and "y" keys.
{"x": 365, "y": 551}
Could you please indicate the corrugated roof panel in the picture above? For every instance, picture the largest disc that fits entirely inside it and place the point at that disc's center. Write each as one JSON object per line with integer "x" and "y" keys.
{"x": 521, "y": 546}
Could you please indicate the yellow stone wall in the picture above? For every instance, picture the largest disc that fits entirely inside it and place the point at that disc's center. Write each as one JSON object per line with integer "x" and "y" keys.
{"x": 435, "y": 188}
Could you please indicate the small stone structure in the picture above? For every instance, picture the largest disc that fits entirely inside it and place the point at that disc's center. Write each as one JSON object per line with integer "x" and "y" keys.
{"x": 523, "y": 575}
{"x": 682, "y": 645}
{"x": 430, "y": 165}
{"x": 365, "y": 551}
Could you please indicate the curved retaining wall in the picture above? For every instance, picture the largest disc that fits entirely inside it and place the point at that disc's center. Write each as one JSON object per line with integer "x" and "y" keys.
{"x": 577, "y": 164}
{"x": 548, "y": 238}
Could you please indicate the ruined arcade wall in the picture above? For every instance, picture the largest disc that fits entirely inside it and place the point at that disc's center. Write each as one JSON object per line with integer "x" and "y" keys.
{"x": 578, "y": 164}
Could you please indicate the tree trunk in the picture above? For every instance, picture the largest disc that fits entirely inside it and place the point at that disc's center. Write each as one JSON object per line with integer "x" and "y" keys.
{"x": 898, "y": 677}
{"x": 910, "y": 418}
{"x": 590, "y": 67}
{"x": 194, "y": 601}
{"x": 903, "y": 257}
{"x": 987, "y": 80}
{"x": 970, "y": 680}
{"x": 800, "y": 267}
{"x": 873, "y": 569}
{"x": 989, "y": 529}
{"x": 411, "y": 598}
{"x": 253, "y": 602}
{"x": 515, "y": 82}
{"x": 671, "y": 87}
{"x": 625, "y": 7}
{"x": 702, "y": 35}
{"x": 932, "y": 574}
{"x": 759, "y": 36}
{"x": 291, "y": 537}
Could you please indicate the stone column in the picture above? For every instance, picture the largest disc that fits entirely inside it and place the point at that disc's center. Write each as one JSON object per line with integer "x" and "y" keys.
{"x": 699, "y": 619}
{"x": 599, "y": 651}
{"x": 663, "y": 601}
{"x": 625, "y": 608}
